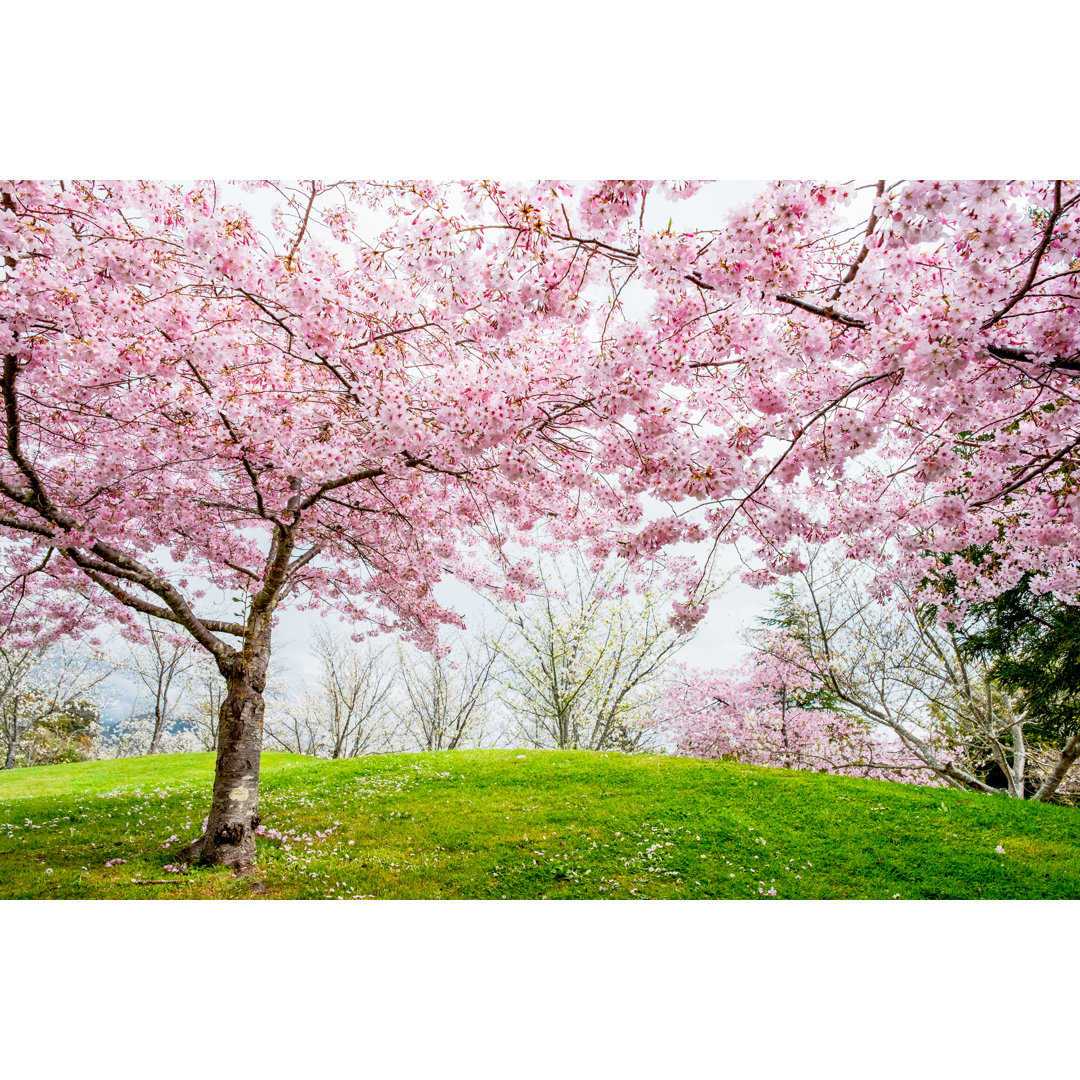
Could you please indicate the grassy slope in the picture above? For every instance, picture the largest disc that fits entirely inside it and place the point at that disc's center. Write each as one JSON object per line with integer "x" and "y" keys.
{"x": 523, "y": 825}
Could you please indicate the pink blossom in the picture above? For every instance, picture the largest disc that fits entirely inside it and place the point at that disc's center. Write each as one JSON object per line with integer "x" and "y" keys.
{"x": 755, "y": 713}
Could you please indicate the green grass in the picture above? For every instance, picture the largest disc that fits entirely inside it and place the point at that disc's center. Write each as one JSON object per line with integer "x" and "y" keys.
{"x": 497, "y": 824}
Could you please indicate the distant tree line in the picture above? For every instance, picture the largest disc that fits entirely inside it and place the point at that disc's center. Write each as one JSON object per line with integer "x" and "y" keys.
{"x": 836, "y": 680}
{"x": 580, "y": 666}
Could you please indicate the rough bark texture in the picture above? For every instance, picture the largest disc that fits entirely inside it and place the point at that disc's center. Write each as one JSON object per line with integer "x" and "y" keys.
{"x": 229, "y": 837}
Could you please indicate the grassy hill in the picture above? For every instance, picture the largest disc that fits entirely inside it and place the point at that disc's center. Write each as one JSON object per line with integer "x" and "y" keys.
{"x": 495, "y": 824}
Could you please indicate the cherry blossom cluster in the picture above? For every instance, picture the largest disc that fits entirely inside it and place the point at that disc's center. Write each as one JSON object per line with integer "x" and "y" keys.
{"x": 892, "y": 366}
{"x": 762, "y": 713}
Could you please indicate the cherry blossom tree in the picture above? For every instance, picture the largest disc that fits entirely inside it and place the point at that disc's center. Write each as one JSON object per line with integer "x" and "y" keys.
{"x": 890, "y": 666}
{"x": 200, "y": 416}
{"x": 905, "y": 380}
{"x": 762, "y": 712}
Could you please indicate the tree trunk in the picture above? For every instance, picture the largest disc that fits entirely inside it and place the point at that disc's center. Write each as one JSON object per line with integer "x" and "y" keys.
{"x": 1019, "y": 762}
{"x": 783, "y": 728}
{"x": 13, "y": 735}
{"x": 229, "y": 836}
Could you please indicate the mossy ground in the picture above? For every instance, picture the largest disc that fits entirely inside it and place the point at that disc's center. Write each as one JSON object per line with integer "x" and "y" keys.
{"x": 497, "y": 824}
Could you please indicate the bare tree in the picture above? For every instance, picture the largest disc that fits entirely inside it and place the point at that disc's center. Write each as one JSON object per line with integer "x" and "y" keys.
{"x": 582, "y": 664}
{"x": 162, "y": 666}
{"x": 206, "y": 692}
{"x": 893, "y": 664}
{"x": 447, "y": 700}
{"x": 45, "y": 700}
{"x": 347, "y": 714}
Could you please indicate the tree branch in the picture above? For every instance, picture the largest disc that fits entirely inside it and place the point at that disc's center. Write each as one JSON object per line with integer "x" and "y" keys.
{"x": 165, "y": 614}
{"x": 1048, "y": 233}
{"x": 849, "y": 277}
{"x": 825, "y": 312}
{"x": 112, "y": 562}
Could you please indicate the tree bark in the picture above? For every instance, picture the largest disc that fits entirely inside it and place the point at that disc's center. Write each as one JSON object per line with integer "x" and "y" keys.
{"x": 1019, "y": 762}
{"x": 13, "y": 735}
{"x": 229, "y": 836}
